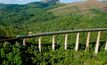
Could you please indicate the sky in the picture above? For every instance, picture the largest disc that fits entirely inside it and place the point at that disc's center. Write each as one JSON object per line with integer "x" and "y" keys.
{"x": 27, "y": 1}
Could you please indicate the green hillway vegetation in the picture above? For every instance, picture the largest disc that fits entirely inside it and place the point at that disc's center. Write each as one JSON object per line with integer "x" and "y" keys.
{"x": 20, "y": 19}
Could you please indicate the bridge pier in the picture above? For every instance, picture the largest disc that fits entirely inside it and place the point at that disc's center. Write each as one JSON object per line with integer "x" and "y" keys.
{"x": 106, "y": 46}
{"x": 53, "y": 42}
{"x": 88, "y": 41}
{"x": 39, "y": 46}
{"x": 24, "y": 42}
{"x": 77, "y": 42}
{"x": 66, "y": 40}
{"x": 97, "y": 42}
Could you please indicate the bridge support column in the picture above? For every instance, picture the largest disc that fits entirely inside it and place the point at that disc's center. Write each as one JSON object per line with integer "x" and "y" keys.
{"x": 88, "y": 41}
{"x": 24, "y": 42}
{"x": 106, "y": 46}
{"x": 53, "y": 42}
{"x": 97, "y": 42}
{"x": 77, "y": 42}
{"x": 39, "y": 46}
{"x": 66, "y": 40}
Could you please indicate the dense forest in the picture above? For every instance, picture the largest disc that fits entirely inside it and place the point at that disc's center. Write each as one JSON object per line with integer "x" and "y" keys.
{"x": 20, "y": 19}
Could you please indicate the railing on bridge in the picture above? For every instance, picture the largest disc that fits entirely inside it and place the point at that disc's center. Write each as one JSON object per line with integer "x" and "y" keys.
{"x": 99, "y": 30}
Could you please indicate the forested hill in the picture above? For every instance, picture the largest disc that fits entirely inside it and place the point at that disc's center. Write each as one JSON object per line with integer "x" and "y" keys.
{"x": 2, "y": 6}
{"x": 17, "y": 20}
{"x": 20, "y": 19}
{"x": 12, "y": 16}
{"x": 38, "y": 4}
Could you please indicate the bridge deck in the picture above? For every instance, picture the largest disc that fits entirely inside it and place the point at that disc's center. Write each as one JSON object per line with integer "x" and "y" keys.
{"x": 56, "y": 33}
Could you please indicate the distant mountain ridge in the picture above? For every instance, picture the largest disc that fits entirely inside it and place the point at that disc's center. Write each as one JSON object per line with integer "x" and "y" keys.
{"x": 2, "y": 6}
{"x": 58, "y": 8}
{"x": 38, "y": 4}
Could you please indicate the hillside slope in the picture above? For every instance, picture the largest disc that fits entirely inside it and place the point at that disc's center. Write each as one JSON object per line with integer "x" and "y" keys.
{"x": 79, "y": 7}
{"x": 20, "y": 19}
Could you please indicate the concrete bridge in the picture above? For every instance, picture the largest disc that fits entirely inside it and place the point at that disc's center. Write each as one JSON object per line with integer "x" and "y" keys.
{"x": 66, "y": 32}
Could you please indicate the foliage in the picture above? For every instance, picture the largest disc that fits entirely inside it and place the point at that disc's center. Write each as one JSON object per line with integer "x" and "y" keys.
{"x": 25, "y": 55}
{"x": 20, "y": 19}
